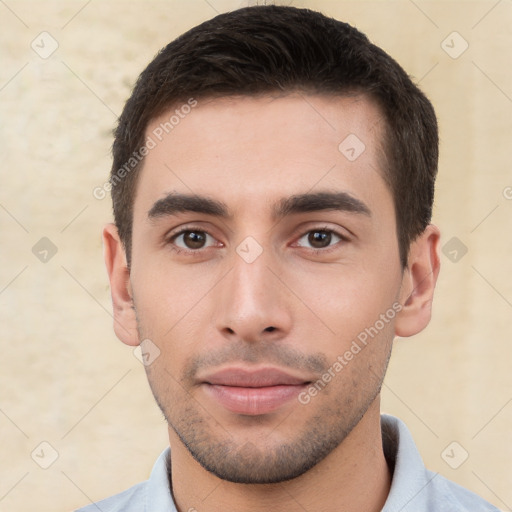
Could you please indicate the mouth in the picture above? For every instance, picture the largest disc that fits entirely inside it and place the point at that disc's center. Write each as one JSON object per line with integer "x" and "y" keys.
{"x": 255, "y": 392}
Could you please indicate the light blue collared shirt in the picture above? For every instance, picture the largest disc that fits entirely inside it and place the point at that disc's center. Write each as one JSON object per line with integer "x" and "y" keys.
{"x": 413, "y": 487}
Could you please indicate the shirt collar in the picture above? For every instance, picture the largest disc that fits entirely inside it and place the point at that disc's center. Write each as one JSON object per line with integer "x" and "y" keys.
{"x": 408, "y": 487}
{"x": 158, "y": 493}
{"x": 410, "y": 477}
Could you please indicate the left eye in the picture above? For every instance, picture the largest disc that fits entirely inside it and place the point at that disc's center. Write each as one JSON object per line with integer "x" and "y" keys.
{"x": 192, "y": 239}
{"x": 319, "y": 239}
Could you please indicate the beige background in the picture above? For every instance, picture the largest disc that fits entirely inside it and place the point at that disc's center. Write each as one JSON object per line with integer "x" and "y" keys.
{"x": 64, "y": 377}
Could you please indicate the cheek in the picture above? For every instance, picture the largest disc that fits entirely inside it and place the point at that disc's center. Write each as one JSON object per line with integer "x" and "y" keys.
{"x": 166, "y": 292}
{"x": 346, "y": 302}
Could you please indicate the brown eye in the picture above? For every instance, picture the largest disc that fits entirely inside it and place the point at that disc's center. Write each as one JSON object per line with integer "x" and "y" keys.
{"x": 191, "y": 239}
{"x": 194, "y": 239}
{"x": 320, "y": 239}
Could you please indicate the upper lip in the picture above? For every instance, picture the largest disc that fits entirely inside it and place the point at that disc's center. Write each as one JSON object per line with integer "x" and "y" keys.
{"x": 258, "y": 378}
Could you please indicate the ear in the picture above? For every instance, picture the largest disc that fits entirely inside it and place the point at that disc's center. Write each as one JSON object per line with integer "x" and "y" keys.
{"x": 125, "y": 321}
{"x": 418, "y": 283}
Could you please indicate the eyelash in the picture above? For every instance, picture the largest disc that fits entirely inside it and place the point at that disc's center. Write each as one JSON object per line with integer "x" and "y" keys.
{"x": 179, "y": 250}
{"x": 329, "y": 248}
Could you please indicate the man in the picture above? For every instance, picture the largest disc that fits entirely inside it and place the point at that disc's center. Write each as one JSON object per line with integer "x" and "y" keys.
{"x": 272, "y": 186}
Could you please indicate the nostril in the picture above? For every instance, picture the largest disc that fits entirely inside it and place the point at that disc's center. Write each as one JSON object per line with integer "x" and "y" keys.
{"x": 270, "y": 329}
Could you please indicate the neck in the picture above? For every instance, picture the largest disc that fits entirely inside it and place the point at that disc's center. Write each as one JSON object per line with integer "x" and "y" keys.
{"x": 354, "y": 476}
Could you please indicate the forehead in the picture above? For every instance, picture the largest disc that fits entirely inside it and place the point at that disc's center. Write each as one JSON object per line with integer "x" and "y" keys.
{"x": 250, "y": 149}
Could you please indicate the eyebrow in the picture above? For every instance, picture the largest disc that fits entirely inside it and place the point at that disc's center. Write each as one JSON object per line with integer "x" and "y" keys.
{"x": 176, "y": 203}
{"x": 320, "y": 201}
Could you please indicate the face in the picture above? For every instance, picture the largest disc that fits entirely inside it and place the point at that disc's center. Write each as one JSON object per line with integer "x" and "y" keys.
{"x": 263, "y": 254}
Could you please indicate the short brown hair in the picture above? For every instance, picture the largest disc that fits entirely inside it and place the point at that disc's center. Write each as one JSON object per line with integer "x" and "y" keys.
{"x": 265, "y": 49}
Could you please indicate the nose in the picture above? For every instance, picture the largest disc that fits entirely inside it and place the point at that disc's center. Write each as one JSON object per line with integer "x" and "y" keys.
{"x": 253, "y": 304}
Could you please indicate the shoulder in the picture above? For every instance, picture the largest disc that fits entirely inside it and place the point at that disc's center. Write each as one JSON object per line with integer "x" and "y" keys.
{"x": 413, "y": 487}
{"x": 449, "y": 496}
{"x": 131, "y": 499}
{"x": 153, "y": 495}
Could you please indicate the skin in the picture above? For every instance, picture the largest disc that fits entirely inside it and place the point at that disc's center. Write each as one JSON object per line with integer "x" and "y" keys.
{"x": 296, "y": 307}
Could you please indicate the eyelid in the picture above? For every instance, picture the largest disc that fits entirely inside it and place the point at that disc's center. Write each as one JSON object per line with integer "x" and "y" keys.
{"x": 208, "y": 237}
{"x": 302, "y": 230}
{"x": 170, "y": 236}
{"x": 335, "y": 231}
{"x": 178, "y": 230}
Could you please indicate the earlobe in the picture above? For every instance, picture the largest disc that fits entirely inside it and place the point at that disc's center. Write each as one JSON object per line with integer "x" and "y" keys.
{"x": 418, "y": 283}
{"x": 125, "y": 322}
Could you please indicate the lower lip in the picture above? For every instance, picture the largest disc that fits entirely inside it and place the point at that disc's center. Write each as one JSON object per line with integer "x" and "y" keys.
{"x": 253, "y": 401}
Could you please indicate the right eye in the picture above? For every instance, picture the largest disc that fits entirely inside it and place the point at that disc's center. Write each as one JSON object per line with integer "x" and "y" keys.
{"x": 192, "y": 239}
